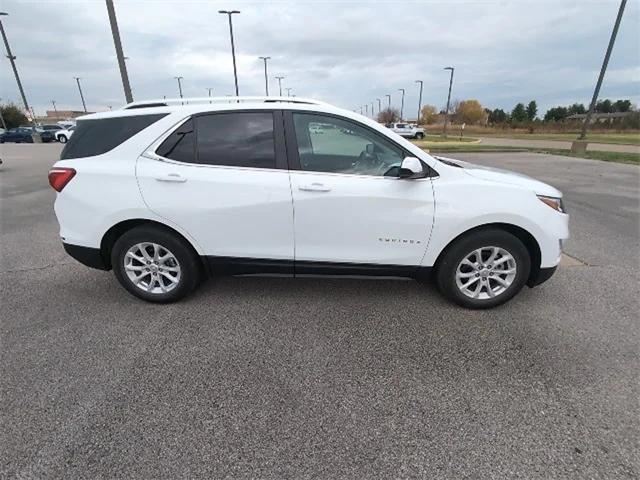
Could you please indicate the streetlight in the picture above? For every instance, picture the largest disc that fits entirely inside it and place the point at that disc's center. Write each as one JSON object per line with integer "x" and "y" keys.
{"x": 84, "y": 105}
{"x": 379, "y": 105}
{"x": 280, "y": 84}
{"x": 446, "y": 113}
{"x": 118, "y": 44}
{"x": 210, "y": 89}
{"x": 389, "y": 97}
{"x": 605, "y": 62}
{"x": 288, "y": 89}
{"x": 366, "y": 109}
{"x": 55, "y": 110}
{"x": 372, "y": 109}
{"x": 233, "y": 47}
{"x": 419, "y": 100}
{"x": 179, "y": 79}
{"x": 266, "y": 81}
{"x": 402, "y": 104}
{"x": 12, "y": 59}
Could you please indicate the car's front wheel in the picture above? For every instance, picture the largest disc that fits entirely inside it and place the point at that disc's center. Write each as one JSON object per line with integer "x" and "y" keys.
{"x": 62, "y": 139}
{"x": 154, "y": 264}
{"x": 419, "y": 135}
{"x": 483, "y": 269}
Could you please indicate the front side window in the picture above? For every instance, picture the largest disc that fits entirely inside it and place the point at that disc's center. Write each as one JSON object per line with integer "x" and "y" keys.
{"x": 333, "y": 145}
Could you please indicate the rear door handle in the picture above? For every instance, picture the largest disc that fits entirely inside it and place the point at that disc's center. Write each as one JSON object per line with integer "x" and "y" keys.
{"x": 314, "y": 187}
{"x": 171, "y": 177}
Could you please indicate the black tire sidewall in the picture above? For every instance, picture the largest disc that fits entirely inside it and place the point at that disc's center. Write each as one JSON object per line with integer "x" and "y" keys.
{"x": 188, "y": 260}
{"x": 462, "y": 247}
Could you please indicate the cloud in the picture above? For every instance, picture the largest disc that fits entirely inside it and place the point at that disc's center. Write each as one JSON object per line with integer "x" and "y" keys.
{"x": 349, "y": 53}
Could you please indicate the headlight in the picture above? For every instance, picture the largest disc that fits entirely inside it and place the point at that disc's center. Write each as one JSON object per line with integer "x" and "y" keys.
{"x": 553, "y": 202}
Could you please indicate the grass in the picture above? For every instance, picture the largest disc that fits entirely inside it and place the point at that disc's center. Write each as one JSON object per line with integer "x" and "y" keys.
{"x": 449, "y": 139}
{"x": 618, "y": 157}
{"x": 612, "y": 138}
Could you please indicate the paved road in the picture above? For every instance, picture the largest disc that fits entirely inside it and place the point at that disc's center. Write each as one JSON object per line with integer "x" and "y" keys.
{"x": 517, "y": 142}
{"x": 321, "y": 378}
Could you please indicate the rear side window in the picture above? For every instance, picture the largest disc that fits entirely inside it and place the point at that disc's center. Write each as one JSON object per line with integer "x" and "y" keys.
{"x": 236, "y": 139}
{"x": 239, "y": 139}
{"x": 180, "y": 145}
{"x": 95, "y": 137}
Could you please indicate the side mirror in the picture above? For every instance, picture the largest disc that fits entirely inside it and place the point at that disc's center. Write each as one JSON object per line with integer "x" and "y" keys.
{"x": 411, "y": 168}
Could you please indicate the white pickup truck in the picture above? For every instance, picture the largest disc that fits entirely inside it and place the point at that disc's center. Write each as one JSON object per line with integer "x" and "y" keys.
{"x": 407, "y": 130}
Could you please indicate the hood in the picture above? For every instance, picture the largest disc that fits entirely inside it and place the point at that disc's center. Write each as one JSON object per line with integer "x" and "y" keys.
{"x": 503, "y": 176}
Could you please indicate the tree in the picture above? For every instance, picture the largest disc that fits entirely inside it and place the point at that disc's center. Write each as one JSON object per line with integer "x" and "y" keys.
{"x": 469, "y": 111}
{"x": 622, "y": 106}
{"x": 556, "y": 114}
{"x": 429, "y": 114}
{"x": 532, "y": 110}
{"x": 389, "y": 115}
{"x": 13, "y": 116}
{"x": 576, "y": 108}
{"x": 519, "y": 113}
{"x": 604, "y": 106}
{"x": 498, "y": 115}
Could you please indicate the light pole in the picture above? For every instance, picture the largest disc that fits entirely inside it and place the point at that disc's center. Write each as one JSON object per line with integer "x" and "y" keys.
{"x": 280, "y": 84}
{"x": 372, "y": 109}
{"x": 366, "y": 110}
{"x": 266, "y": 81}
{"x": 419, "y": 101}
{"x": 179, "y": 79}
{"x": 233, "y": 47}
{"x": 379, "y": 105}
{"x": 446, "y": 113}
{"x": 210, "y": 89}
{"x": 118, "y": 44}
{"x": 84, "y": 105}
{"x": 389, "y": 97}
{"x": 612, "y": 40}
{"x": 4, "y": 125}
{"x": 402, "y": 104}
{"x": 55, "y": 110}
{"x": 12, "y": 59}
{"x": 288, "y": 91}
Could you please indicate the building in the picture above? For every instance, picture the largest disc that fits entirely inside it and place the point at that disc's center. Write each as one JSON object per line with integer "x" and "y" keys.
{"x": 65, "y": 114}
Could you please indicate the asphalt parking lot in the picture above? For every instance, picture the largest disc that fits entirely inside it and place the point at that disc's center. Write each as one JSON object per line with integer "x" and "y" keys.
{"x": 321, "y": 378}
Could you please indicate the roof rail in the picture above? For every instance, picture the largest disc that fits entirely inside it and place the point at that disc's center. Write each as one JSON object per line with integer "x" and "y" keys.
{"x": 164, "y": 102}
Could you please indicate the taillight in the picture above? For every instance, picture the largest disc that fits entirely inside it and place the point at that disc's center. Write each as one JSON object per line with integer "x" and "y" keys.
{"x": 59, "y": 177}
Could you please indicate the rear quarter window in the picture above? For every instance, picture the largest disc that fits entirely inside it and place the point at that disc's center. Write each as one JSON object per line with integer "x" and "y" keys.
{"x": 95, "y": 137}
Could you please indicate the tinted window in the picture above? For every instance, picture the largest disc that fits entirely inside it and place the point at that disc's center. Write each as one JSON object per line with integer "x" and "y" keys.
{"x": 180, "y": 145}
{"x": 341, "y": 146}
{"x": 242, "y": 139}
{"x": 94, "y": 137}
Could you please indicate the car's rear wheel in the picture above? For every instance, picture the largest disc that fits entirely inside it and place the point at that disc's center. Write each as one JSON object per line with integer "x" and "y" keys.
{"x": 483, "y": 269}
{"x": 154, "y": 264}
{"x": 419, "y": 135}
{"x": 62, "y": 139}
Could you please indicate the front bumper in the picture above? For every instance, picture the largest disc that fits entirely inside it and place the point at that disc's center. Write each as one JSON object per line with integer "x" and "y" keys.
{"x": 91, "y": 257}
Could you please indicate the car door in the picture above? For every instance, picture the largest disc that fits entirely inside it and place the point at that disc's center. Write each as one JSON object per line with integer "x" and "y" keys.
{"x": 222, "y": 178}
{"x": 350, "y": 205}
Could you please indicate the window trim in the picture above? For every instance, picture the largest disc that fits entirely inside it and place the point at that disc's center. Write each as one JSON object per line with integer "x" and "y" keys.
{"x": 293, "y": 154}
{"x": 278, "y": 140}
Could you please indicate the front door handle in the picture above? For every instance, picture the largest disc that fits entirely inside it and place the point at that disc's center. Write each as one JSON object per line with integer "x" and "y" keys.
{"x": 171, "y": 177}
{"x": 314, "y": 187}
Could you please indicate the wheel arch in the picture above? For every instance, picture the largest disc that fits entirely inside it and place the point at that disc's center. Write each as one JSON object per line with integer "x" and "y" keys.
{"x": 529, "y": 241}
{"x": 117, "y": 230}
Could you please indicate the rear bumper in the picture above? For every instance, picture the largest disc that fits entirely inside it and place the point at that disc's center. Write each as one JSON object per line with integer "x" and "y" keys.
{"x": 542, "y": 276}
{"x": 88, "y": 256}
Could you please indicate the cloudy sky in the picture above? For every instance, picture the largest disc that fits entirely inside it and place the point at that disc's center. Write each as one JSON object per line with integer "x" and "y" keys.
{"x": 345, "y": 52}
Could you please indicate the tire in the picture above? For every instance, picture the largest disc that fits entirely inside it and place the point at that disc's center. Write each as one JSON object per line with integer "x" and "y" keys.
{"x": 161, "y": 281}
{"x": 485, "y": 287}
{"x": 62, "y": 139}
{"x": 419, "y": 135}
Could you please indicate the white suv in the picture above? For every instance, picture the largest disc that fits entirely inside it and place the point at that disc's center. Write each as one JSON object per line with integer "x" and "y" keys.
{"x": 407, "y": 130}
{"x": 165, "y": 194}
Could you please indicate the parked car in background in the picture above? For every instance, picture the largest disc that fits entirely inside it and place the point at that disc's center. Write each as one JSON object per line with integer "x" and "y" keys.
{"x": 65, "y": 124}
{"x": 406, "y": 130}
{"x": 17, "y": 135}
{"x": 164, "y": 194}
{"x": 64, "y": 134}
